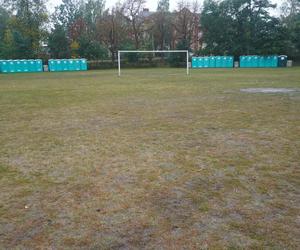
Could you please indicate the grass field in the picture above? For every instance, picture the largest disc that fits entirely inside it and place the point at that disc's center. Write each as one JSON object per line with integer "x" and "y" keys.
{"x": 151, "y": 160}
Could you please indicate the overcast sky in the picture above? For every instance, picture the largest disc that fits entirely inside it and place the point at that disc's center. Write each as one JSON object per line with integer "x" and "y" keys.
{"x": 151, "y": 4}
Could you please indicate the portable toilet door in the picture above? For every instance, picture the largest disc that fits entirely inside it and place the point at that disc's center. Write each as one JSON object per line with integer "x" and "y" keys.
{"x": 248, "y": 61}
{"x": 65, "y": 65}
{"x": 39, "y": 65}
{"x": 255, "y": 61}
{"x": 212, "y": 61}
{"x": 199, "y": 62}
{"x": 72, "y": 66}
{"x": 229, "y": 61}
{"x": 59, "y": 65}
{"x": 26, "y": 66}
{"x": 11, "y": 66}
{"x": 77, "y": 64}
{"x": 18, "y": 65}
{"x": 194, "y": 62}
{"x": 4, "y": 66}
{"x": 83, "y": 64}
{"x": 51, "y": 65}
{"x": 274, "y": 61}
{"x": 219, "y": 62}
{"x": 31, "y": 65}
{"x": 242, "y": 61}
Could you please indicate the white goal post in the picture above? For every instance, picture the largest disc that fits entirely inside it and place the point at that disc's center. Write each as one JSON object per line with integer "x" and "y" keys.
{"x": 153, "y": 51}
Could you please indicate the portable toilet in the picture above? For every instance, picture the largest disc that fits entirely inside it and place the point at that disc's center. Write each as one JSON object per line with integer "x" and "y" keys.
{"x": 65, "y": 64}
{"x": 83, "y": 64}
{"x": 77, "y": 64}
{"x": 242, "y": 61}
{"x": 229, "y": 61}
{"x": 274, "y": 61}
{"x": 31, "y": 65}
{"x": 4, "y": 66}
{"x": 219, "y": 60}
{"x": 194, "y": 62}
{"x": 51, "y": 65}
{"x": 72, "y": 65}
{"x": 199, "y": 62}
{"x": 248, "y": 61}
{"x": 39, "y": 65}
{"x": 282, "y": 61}
{"x": 212, "y": 62}
{"x": 11, "y": 66}
{"x": 58, "y": 65}
{"x": 255, "y": 61}
{"x": 18, "y": 65}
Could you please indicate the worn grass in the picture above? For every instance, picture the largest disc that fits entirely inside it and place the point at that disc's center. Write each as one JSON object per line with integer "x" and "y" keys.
{"x": 151, "y": 160}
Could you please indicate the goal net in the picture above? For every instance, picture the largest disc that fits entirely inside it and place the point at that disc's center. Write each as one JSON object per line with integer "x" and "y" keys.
{"x": 184, "y": 52}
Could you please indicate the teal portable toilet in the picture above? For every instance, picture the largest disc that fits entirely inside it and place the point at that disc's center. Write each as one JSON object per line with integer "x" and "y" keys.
{"x": 65, "y": 64}
{"x": 224, "y": 61}
{"x": 25, "y": 64}
{"x": 39, "y": 65}
{"x": 205, "y": 62}
{"x": 31, "y": 65}
{"x": 18, "y": 65}
{"x": 229, "y": 61}
{"x": 261, "y": 62}
{"x": 72, "y": 66}
{"x": 4, "y": 66}
{"x": 11, "y": 66}
{"x": 282, "y": 61}
{"x": 255, "y": 61}
{"x": 200, "y": 62}
{"x": 194, "y": 62}
{"x": 83, "y": 64}
{"x": 51, "y": 65}
{"x": 59, "y": 65}
{"x": 274, "y": 61}
{"x": 212, "y": 62}
{"x": 242, "y": 61}
{"x": 219, "y": 62}
{"x": 77, "y": 64}
{"x": 268, "y": 61}
{"x": 248, "y": 61}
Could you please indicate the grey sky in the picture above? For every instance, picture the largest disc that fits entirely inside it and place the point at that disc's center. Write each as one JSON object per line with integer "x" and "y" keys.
{"x": 151, "y": 4}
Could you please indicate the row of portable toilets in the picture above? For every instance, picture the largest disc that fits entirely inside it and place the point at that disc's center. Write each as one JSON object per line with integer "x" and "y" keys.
{"x": 212, "y": 62}
{"x": 245, "y": 62}
{"x": 12, "y": 66}
{"x": 67, "y": 64}
{"x": 15, "y": 66}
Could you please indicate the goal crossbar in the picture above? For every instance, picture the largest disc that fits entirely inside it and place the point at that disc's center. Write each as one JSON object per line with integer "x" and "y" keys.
{"x": 153, "y": 51}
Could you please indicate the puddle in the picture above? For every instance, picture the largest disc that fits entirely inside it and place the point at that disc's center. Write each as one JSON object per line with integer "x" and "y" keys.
{"x": 268, "y": 90}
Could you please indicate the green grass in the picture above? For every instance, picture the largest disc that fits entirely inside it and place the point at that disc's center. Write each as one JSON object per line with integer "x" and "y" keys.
{"x": 154, "y": 159}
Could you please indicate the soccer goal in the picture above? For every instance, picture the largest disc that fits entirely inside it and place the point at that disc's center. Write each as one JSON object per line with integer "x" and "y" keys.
{"x": 120, "y": 52}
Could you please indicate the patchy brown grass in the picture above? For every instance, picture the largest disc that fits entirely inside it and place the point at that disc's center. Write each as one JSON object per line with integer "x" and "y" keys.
{"x": 152, "y": 160}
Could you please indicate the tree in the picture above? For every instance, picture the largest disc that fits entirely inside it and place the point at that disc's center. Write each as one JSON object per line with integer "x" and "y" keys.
{"x": 58, "y": 42}
{"x": 162, "y": 26}
{"x": 290, "y": 17}
{"x": 241, "y": 27}
{"x": 27, "y": 26}
{"x": 186, "y": 24}
{"x": 132, "y": 12}
{"x": 113, "y": 30}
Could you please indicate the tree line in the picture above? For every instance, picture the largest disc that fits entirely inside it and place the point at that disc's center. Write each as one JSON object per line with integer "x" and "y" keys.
{"x": 86, "y": 28}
